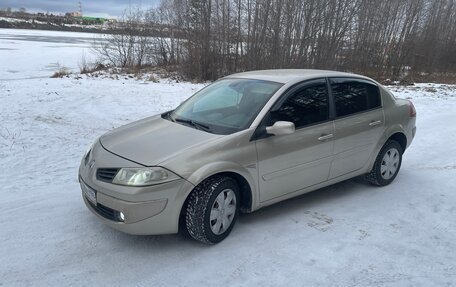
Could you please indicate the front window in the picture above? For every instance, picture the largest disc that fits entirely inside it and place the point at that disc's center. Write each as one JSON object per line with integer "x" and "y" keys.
{"x": 226, "y": 106}
{"x": 306, "y": 106}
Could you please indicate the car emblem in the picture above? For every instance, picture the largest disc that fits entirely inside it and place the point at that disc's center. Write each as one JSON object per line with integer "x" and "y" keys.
{"x": 92, "y": 163}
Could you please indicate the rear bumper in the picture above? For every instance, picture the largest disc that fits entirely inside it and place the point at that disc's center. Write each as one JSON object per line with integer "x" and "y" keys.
{"x": 410, "y": 131}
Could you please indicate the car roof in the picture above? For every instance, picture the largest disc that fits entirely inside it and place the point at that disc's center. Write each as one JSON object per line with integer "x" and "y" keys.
{"x": 290, "y": 76}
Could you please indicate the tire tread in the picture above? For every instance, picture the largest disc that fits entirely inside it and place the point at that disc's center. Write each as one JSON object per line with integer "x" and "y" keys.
{"x": 374, "y": 177}
{"x": 197, "y": 205}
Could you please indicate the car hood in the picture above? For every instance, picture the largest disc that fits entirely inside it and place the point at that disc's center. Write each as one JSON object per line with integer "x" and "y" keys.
{"x": 152, "y": 140}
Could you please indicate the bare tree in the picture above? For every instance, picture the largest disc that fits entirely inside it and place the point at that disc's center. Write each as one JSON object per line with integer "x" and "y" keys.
{"x": 212, "y": 38}
{"x": 128, "y": 45}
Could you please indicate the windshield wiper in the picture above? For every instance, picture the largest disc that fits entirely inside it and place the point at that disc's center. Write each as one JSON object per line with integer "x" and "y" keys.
{"x": 194, "y": 124}
{"x": 169, "y": 117}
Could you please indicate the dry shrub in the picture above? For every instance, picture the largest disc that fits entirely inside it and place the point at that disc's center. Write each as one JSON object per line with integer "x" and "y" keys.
{"x": 61, "y": 72}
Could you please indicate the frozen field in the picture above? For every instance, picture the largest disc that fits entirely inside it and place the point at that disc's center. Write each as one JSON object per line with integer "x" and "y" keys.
{"x": 349, "y": 234}
{"x": 34, "y": 53}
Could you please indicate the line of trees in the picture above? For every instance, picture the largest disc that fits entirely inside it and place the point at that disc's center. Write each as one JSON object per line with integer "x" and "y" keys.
{"x": 206, "y": 39}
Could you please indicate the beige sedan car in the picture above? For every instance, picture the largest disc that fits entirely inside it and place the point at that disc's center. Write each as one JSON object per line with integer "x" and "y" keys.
{"x": 246, "y": 141}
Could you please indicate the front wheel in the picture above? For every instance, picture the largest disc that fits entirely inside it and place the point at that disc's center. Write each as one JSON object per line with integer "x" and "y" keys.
{"x": 387, "y": 164}
{"x": 212, "y": 209}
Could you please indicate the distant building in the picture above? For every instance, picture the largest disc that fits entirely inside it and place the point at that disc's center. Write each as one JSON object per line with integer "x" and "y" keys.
{"x": 73, "y": 14}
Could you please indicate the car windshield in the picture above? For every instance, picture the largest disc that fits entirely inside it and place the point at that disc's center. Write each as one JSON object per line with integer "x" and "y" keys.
{"x": 226, "y": 106}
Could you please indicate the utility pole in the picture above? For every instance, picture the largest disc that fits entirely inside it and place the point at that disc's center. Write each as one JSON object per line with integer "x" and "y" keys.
{"x": 80, "y": 8}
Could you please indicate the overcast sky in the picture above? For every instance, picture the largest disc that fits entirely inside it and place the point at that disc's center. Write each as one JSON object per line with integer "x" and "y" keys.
{"x": 99, "y": 8}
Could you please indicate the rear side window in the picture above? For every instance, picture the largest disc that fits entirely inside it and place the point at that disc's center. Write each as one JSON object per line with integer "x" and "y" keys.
{"x": 352, "y": 96}
{"x": 305, "y": 106}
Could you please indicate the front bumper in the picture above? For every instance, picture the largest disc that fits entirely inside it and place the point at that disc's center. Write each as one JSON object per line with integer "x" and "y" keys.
{"x": 146, "y": 210}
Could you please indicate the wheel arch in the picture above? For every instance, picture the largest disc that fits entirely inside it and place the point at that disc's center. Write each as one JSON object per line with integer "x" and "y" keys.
{"x": 400, "y": 138}
{"x": 396, "y": 133}
{"x": 240, "y": 174}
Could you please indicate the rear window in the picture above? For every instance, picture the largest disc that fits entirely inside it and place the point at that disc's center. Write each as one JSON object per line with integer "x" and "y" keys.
{"x": 352, "y": 96}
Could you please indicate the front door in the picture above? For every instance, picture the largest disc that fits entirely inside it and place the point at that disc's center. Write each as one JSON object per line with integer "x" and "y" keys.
{"x": 289, "y": 163}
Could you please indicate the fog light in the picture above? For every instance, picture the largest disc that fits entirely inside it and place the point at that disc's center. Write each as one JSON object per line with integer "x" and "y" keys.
{"x": 121, "y": 216}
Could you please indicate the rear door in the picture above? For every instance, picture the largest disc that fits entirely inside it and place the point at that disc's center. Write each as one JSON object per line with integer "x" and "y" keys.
{"x": 359, "y": 123}
{"x": 288, "y": 163}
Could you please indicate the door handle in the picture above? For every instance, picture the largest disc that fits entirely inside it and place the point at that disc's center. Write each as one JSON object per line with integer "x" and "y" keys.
{"x": 375, "y": 123}
{"x": 325, "y": 137}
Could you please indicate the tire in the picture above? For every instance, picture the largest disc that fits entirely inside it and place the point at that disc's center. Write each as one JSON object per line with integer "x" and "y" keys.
{"x": 212, "y": 209}
{"x": 387, "y": 164}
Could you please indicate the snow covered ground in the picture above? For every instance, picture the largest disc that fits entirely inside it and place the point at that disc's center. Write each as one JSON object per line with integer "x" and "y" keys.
{"x": 349, "y": 234}
{"x": 34, "y": 53}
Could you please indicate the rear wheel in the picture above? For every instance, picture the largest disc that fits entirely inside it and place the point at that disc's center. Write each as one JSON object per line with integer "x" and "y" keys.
{"x": 386, "y": 165}
{"x": 212, "y": 209}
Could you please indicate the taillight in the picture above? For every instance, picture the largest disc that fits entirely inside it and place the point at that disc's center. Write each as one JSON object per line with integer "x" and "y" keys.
{"x": 412, "y": 109}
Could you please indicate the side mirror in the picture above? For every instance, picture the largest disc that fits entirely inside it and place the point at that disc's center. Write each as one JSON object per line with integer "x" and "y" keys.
{"x": 281, "y": 128}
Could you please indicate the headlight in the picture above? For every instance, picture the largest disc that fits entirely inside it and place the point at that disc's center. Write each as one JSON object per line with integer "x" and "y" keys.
{"x": 143, "y": 176}
{"x": 86, "y": 156}
{"x": 89, "y": 148}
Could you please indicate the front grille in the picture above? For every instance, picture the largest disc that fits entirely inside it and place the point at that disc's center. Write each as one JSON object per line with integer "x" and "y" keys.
{"x": 106, "y": 174}
{"x": 106, "y": 212}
